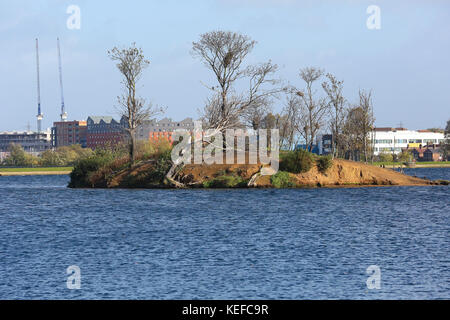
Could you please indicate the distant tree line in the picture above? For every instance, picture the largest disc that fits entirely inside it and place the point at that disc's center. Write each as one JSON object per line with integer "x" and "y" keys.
{"x": 60, "y": 157}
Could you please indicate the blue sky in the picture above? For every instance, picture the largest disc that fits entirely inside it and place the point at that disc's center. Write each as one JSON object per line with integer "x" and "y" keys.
{"x": 405, "y": 63}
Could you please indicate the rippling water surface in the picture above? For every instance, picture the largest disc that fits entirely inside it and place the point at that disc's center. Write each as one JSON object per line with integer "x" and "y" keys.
{"x": 224, "y": 244}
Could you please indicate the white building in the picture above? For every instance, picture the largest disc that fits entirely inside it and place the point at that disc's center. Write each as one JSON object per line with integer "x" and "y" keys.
{"x": 392, "y": 140}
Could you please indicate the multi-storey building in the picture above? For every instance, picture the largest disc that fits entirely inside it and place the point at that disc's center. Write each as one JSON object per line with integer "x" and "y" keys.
{"x": 66, "y": 133}
{"x": 391, "y": 140}
{"x": 31, "y": 142}
{"x": 394, "y": 140}
{"x": 104, "y": 131}
{"x": 325, "y": 144}
{"x": 164, "y": 125}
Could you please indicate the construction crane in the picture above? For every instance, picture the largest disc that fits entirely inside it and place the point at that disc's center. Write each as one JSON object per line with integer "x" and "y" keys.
{"x": 63, "y": 108}
{"x": 39, "y": 116}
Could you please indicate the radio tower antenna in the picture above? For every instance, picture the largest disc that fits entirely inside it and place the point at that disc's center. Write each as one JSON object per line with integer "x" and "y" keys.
{"x": 63, "y": 108}
{"x": 39, "y": 116}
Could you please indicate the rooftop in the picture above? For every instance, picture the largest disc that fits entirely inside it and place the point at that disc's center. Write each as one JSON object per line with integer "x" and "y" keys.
{"x": 23, "y": 132}
{"x": 390, "y": 129}
{"x": 98, "y": 119}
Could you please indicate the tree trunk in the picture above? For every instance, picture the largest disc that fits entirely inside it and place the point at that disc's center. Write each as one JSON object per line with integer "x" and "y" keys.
{"x": 224, "y": 101}
{"x": 132, "y": 146}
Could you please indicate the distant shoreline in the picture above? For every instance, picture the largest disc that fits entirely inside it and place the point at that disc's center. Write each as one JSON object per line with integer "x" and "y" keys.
{"x": 424, "y": 165}
{"x": 35, "y": 171}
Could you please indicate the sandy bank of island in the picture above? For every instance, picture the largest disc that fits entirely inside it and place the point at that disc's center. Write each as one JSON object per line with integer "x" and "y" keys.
{"x": 341, "y": 173}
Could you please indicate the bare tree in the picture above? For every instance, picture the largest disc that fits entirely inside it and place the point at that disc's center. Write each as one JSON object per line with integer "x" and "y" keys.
{"x": 284, "y": 126}
{"x": 255, "y": 114}
{"x": 224, "y": 53}
{"x": 214, "y": 116}
{"x": 334, "y": 90}
{"x": 131, "y": 62}
{"x": 312, "y": 110}
{"x": 367, "y": 123}
{"x": 270, "y": 121}
{"x": 352, "y": 138}
{"x": 358, "y": 128}
{"x": 290, "y": 118}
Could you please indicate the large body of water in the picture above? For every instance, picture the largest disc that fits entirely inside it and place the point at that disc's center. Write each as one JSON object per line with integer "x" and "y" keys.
{"x": 224, "y": 244}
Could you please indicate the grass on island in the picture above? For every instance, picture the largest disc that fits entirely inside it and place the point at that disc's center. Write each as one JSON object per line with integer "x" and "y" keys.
{"x": 36, "y": 169}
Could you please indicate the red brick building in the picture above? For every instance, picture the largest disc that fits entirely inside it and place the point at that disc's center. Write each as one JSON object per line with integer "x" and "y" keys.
{"x": 67, "y": 133}
{"x": 105, "y": 132}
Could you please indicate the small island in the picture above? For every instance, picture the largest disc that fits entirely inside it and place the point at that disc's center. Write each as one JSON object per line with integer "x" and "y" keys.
{"x": 297, "y": 169}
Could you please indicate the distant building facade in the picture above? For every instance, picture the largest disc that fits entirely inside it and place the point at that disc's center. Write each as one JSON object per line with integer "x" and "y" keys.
{"x": 394, "y": 140}
{"x": 391, "y": 140}
{"x": 151, "y": 128}
{"x": 431, "y": 153}
{"x": 31, "y": 142}
{"x": 105, "y": 131}
{"x": 67, "y": 133}
{"x": 325, "y": 144}
{"x": 156, "y": 136}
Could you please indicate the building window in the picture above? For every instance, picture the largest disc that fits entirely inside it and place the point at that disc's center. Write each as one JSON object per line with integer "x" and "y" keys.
{"x": 386, "y": 141}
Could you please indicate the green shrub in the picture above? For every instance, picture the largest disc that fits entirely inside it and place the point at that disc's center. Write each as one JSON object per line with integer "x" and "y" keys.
{"x": 96, "y": 170}
{"x": 79, "y": 177}
{"x": 385, "y": 157}
{"x": 231, "y": 181}
{"x": 297, "y": 161}
{"x": 162, "y": 166}
{"x": 84, "y": 168}
{"x": 324, "y": 163}
{"x": 405, "y": 156}
{"x": 282, "y": 179}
